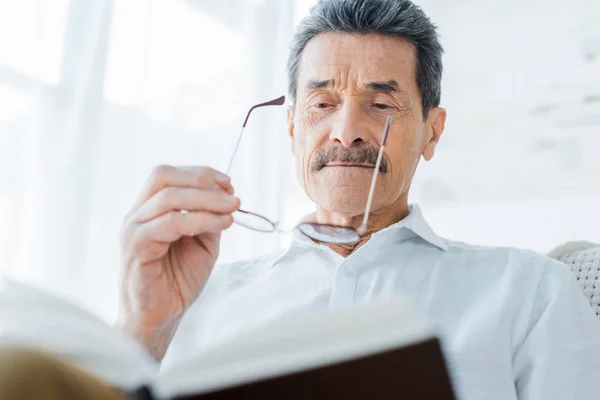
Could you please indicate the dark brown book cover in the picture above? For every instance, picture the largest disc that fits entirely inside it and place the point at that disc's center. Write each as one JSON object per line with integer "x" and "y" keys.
{"x": 417, "y": 371}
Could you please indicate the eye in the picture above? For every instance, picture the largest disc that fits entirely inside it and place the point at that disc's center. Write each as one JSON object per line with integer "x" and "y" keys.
{"x": 321, "y": 105}
{"x": 381, "y": 106}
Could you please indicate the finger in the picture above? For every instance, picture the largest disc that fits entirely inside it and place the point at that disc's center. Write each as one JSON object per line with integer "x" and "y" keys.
{"x": 191, "y": 177}
{"x": 221, "y": 180}
{"x": 227, "y": 187}
{"x": 173, "y": 225}
{"x": 176, "y": 199}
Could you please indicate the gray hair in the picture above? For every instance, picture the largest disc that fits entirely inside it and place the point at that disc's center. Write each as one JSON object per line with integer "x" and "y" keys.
{"x": 399, "y": 18}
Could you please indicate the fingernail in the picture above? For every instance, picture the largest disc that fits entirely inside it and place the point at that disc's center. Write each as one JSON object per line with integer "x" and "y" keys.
{"x": 221, "y": 177}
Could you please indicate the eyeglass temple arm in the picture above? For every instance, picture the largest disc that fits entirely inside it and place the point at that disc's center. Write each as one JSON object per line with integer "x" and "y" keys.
{"x": 276, "y": 102}
{"x": 363, "y": 226}
{"x": 237, "y": 144}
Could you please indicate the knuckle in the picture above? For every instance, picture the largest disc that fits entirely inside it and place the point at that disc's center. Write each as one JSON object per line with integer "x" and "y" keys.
{"x": 166, "y": 195}
{"x": 204, "y": 170}
{"x": 203, "y": 173}
{"x": 160, "y": 172}
{"x": 172, "y": 220}
{"x": 137, "y": 246}
{"x": 137, "y": 243}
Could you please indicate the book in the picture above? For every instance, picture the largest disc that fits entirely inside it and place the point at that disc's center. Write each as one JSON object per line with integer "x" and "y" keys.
{"x": 378, "y": 350}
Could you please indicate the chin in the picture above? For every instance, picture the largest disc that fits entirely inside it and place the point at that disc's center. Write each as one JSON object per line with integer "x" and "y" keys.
{"x": 345, "y": 200}
{"x": 342, "y": 191}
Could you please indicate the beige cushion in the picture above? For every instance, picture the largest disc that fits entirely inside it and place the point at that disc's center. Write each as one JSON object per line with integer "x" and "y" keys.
{"x": 584, "y": 260}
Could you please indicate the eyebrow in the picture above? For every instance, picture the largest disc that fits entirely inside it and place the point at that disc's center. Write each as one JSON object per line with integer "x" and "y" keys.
{"x": 385, "y": 87}
{"x": 390, "y": 86}
{"x": 315, "y": 85}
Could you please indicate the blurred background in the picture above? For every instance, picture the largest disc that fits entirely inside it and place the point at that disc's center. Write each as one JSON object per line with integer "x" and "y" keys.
{"x": 93, "y": 94}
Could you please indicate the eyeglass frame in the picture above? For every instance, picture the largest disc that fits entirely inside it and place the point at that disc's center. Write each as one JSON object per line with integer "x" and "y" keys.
{"x": 274, "y": 225}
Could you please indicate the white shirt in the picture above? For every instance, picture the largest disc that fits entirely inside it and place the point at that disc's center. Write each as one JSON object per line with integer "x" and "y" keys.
{"x": 513, "y": 323}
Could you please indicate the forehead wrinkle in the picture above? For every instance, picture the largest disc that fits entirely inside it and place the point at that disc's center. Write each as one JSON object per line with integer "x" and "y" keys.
{"x": 328, "y": 52}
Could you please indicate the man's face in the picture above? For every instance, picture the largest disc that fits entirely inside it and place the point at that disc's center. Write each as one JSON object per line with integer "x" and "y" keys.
{"x": 347, "y": 87}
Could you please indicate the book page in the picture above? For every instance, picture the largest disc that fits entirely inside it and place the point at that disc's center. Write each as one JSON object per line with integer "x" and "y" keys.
{"x": 295, "y": 344}
{"x": 30, "y": 317}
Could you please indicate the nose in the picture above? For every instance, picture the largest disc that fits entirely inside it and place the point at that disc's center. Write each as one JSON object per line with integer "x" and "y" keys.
{"x": 349, "y": 129}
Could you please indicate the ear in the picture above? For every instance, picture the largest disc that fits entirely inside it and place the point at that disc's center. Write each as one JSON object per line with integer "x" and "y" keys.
{"x": 435, "y": 123}
{"x": 290, "y": 123}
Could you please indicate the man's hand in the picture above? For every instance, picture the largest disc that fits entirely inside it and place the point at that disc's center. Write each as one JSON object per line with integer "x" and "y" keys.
{"x": 169, "y": 245}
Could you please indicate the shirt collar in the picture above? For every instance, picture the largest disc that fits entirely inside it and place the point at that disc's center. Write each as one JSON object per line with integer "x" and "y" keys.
{"x": 414, "y": 222}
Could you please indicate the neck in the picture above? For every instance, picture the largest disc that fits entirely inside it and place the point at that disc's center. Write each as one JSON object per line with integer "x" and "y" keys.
{"x": 378, "y": 220}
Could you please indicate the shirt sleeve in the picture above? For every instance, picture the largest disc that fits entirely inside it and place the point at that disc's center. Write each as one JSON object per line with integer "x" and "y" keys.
{"x": 560, "y": 357}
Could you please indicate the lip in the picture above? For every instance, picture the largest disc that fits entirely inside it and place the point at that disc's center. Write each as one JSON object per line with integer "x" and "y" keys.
{"x": 353, "y": 165}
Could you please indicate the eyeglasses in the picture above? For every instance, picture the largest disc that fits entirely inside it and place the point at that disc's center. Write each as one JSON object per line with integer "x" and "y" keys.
{"x": 326, "y": 233}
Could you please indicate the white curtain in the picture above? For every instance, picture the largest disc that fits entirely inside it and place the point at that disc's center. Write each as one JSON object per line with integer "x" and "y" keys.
{"x": 93, "y": 94}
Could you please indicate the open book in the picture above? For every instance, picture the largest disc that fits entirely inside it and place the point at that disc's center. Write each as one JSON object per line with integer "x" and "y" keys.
{"x": 370, "y": 351}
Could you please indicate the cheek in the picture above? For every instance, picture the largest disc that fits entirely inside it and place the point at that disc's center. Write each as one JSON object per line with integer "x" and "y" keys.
{"x": 307, "y": 139}
{"x": 302, "y": 151}
{"x": 300, "y": 147}
{"x": 404, "y": 156}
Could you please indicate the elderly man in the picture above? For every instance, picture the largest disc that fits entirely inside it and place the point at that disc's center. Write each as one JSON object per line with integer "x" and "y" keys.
{"x": 514, "y": 324}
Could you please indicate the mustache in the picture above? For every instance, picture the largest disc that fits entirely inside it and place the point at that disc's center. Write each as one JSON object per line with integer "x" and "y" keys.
{"x": 355, "y": 154}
